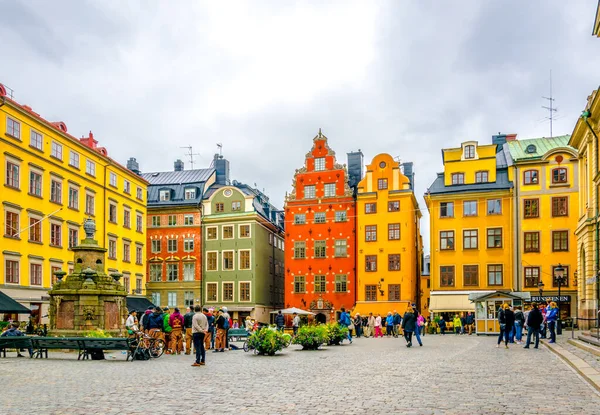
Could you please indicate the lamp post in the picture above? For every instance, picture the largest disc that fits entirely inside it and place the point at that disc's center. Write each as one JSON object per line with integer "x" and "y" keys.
{"x": 559, "y": 276}
{"x": 540, "y": 285}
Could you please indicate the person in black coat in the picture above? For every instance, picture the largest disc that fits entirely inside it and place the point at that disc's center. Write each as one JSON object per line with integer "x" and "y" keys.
{"x": 409, "y": 324}
{"x": 506, "y": 318}
{"x": 534, "y": 321}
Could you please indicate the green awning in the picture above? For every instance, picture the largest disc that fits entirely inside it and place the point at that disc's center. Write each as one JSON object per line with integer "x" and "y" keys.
{"x": 8, "y": 305}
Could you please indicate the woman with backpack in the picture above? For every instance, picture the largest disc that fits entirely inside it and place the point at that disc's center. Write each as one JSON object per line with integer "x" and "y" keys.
{"x": 409, "y": 324}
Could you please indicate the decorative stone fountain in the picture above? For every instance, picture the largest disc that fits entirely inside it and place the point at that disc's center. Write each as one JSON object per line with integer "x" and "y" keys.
{"x": 87, "y": 299}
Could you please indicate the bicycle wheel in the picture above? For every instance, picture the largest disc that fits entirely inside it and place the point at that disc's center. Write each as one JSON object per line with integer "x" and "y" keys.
{"x": 157, "y": 348}
{"x": 246, "y": 348}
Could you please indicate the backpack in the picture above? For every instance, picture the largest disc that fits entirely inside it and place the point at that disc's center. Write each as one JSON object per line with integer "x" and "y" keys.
{"x": 225, "y": 323}
{"x": 347, "y": 319}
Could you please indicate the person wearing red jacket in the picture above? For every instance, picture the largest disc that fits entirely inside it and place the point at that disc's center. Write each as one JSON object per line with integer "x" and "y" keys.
{"x": 176, "y": 323}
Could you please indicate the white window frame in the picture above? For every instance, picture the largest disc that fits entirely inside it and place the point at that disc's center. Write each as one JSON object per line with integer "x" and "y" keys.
{"x": 319, "y": 163}
{"x": 39, "y": 139}
{"x": 249, "y": 300}
{"x": 176, "y": 264}
{"x": 216, "y": 228}
{"x": 240, "y": 259}
{"x": 74, "y": 159}
{"x": 114, "y": 242}
{"x": 113, "y": 179}
{"x": 193, "y": 264}
{"x": 223, "y": 260}
{"x": 185, "y": 219}
{"x": 152, "y": 246}
{"x": 41, "y": 265}
{"x": 216, "y": 292}
{"x": 41, "y": 187}
{"x": 50, "y": 234}
{"x": 164, "y": 195}
{"x": 12, "y": 259}
{"x": 172, "y": 294}
{"x": 127, "y": 186}
{"x": 14, "y": 123}
{"x": 155, "y": 298}
{"x": 329, "y": 186}
{"x": 16, "y": 163}
{"x": 75, "y": 191}
{"x": 90, "y": 167}
{"x": 69, "y": 229}
{"x": 187, "y": 241}
{"x": 152, "y": 275}
{"x": 313, "y": 193}
{"x": 168, "y": 245}
{"x": 56, "y": 150}
{"x": 190, "y": 191}
{"x": 232, "y": 292}
{"x": 139, "y": 193}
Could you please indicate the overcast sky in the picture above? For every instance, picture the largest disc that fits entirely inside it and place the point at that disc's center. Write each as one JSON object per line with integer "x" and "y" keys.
{"x": 402, "y": 77}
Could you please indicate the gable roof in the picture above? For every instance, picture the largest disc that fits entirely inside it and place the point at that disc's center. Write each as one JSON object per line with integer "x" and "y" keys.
{"x": 518, "y": 148}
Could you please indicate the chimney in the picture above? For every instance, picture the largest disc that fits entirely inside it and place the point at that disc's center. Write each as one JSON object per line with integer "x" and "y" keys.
{"x": 178, "y": 165}
{"x": 355, "y": 168}
{"x": 133, "y": 165}
{"x": 408, "y": 171}
{"x": 222, "y": 167}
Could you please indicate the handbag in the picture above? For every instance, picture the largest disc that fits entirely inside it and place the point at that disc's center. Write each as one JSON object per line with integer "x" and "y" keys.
{"x": 351, "y": 326}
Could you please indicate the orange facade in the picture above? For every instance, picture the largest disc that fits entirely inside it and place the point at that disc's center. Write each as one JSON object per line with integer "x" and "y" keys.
{"x": 320, "y": 251}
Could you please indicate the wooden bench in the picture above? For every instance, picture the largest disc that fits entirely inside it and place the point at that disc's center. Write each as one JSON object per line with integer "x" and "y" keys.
{"x": 237, "y": 334}
{"x": 14, "y": 342}
{"x": 41, "y": 345}
{"x": 87, "y": 347}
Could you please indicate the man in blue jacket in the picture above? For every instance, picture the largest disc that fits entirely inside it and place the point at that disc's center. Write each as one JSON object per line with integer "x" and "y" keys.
{"x": 551, "y": 318}
{"x": 156, "y": 323}
{"x": 345, "y": 322}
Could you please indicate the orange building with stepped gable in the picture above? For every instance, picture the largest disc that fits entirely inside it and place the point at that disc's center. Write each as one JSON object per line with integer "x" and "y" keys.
{"x": 320, "y": 218}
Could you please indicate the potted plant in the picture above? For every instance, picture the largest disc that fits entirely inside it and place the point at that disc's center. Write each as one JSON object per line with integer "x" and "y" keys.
{"x": 336, "y": 333}
{"x": 266, "y": 341}
{"x": 311, "y": 337}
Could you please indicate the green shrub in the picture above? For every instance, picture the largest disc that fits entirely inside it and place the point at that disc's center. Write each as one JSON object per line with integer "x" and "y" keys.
{"x": 336, "y": 333}
{"x": 311, "y": 337}
{"x": 266, "y": 341}
{"x": 98, "y": 333}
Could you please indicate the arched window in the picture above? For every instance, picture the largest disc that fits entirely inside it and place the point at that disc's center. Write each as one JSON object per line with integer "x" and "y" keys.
{"x": 469, "y": 152}
{"x": 559, "y": 175}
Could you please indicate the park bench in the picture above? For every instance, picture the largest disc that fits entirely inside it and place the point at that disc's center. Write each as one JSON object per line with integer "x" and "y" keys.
{"x": 87, "y": 347}
{"x": 14, "y": 342}
{"x": 237, "y": 334}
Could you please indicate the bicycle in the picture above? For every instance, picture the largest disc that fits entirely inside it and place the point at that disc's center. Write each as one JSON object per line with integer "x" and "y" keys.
{"x": 155, "y": 346}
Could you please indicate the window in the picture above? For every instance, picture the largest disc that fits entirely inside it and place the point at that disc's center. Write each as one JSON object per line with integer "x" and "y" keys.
{"x": 188, "y": 245}
{"x": 55, "y": 235}
{"x": 299, "y": 284}
{"x": 12, "y": 175}
{"x": 370, "y": 207}
{"x": 188, "y": 299}
{"x": 532, "y": 276}
{"x": 341, "y": 216}
{"x": 172, "y": 220}
{"x": 531, "y": 208}
{"x": 113, "y": 179}
{"x": 469, "y": 152}
{"x": 56, "y": 150}
{"x": 470, "y": 239}
{"x": 481, "y": 177}
{"x": 219, "y": 207}
{"x": 329, "y": 189}
{"x": 394, "y": 262}
{"x": 244, "y": 259}
{"x": 138, "y": 254}
{"x": 228, "y": 260}
{"x": 447, "y": 240}
{"x": 190, "y": 194}
{"x": 171, "y": 245}
{"x": 382, "y": 184}
{"x": 73, "y": 159}
{"x": 532, "y": 241}
{"x": 156, "y": 246}
{"x": 227, "y": 291}
{"x": 494, "y": 206}
{"x": 371, "y": 263}
{"x": 236, "y": 206}
{"x": 394, "y": 231}
{"x": 138, "y": 223}
{"x": 560, "y": 241}
{"x": 447, "y": 210}
{"x": 394, "y": 206}
{"x": 35, "y": 183}
{"x": 244, "y": 291}
{"x": 244, "y": 231}
{"x": 127, "y": 186}
{"x": 189, "y": 271}
{"x": 458, "y": 178}
{"x": 112, "y": 213}
{"x": 12, "y": 224}
{"x": 228, "y": 232}
{"x": 559, "y": 175}
{"x": 471, "y": 275}
{"x": 341, "y": 284}
{"x": 211, "y": 261}
{"x": 470, "y": 208}
{"x": 126, "y": 218}
{"x": 112, "y": 249}
{"x": 565, "y": 277}
{"x": 341, "y": 248}
{"x": 370, "y": 292}
{"x": 172, "y": 272}
{"x": 211, "y": 233}
{"x": 320, "y": 249}
{"x": 494, "y": 274}
{"x": 319, "y": 283}
{"x": 309, "y": 192}
{"x": 90, "y": 203}
{"x": 73, "y": 198}
{"x": 393, "y": 292}
{"x": 164, "y": 195}
{"x": 560, "y": 206}
{"x": 299, "y": 250}
{"x": 90, "y": 167}
{"x": 494, "y": 238}
{"x": 12, "y": 271}
{"x": 73, "y": 237}
{"x": 35, "y": 230}
{"x": 320, "y": 217}
{"x": 156, "y": 298}
{"x": 320, "y": 164}
{"x": 188, "y": 220}
{"x": 211, "y": 291}
{"x": 172, "y": 299}
{"x": 300, "y": 219}
{"x": 126, "y": 252}
{"x": 447, "y": 276}
{"x": 13, "y": 128}
{"x": 371, "y": 233}
{"x": 139, "y": 193}
{"x": 155, "y": 220}
{"x": 530, "y": 177}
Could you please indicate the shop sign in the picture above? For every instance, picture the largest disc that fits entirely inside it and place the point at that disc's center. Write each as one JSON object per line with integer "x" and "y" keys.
{"x": 555, "y": 298}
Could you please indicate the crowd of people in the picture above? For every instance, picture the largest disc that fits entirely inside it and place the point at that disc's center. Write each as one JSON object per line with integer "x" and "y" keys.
{"x": 537, "y": 320}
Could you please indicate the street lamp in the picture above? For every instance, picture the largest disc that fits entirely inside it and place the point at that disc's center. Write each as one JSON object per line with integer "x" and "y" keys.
{"x": 540, "y": 285}
{"x": 559, "y": 278}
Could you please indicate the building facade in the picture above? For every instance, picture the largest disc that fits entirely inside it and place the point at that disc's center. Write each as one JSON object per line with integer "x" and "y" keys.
{"x": 174, "y": 237}
{"x": 52, "y": 182}
{"x": 425, "y": 285}
{"x": 388, "y": 238}
{"x": 320, "y": 255}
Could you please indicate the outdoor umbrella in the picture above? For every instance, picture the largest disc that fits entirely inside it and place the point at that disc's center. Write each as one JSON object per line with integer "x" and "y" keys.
{"x": 8, "y": 305}
{"x": 293, "y": 310}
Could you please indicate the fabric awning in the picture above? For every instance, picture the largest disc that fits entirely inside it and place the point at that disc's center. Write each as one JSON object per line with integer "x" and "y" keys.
{"x": 293, "y": 310}
{"x": 139, "y": 304}
{"x": 450, "y": 302}
{"x": 379, "y": 307}
{"x": 8, "y": 305}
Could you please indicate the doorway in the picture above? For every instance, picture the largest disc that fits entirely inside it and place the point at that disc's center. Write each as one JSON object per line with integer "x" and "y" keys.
{"x": 321, "y": 318}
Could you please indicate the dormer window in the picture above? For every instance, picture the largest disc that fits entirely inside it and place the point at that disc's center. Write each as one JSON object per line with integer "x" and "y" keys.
{"x": 531, "y": 149}
{"x": 320, "y": 164}
{"x": 165, "y": 195}
{"x": 469, "y": 152}
{"x": 190, "y": 193}
{"x": 458, "y": 178}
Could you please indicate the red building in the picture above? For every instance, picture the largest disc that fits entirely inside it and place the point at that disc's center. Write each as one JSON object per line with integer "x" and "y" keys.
{"x": 320, "y": 251}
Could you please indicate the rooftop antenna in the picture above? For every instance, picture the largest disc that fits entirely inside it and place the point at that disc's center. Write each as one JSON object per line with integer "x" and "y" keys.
{"x": 550, "y": 108}
{"x": 191, "y": 155}
{"x": 220, "y": 147}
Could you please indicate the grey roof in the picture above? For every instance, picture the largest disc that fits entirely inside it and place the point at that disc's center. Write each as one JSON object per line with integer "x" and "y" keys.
{"x": 176, "y": 182}
{"x": 179, "y": 177}
{"x": 501, "y": 183}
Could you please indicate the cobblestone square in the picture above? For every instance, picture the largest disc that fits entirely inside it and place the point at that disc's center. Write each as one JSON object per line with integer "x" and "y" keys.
{"x": 449, "y": 375}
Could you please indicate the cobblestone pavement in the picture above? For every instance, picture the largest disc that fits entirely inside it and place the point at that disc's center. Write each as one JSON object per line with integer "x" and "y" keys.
{"x": 590, "y": 358}
{"x": 449, "y": 375}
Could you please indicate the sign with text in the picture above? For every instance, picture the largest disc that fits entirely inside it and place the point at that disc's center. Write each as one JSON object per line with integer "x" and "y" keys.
{"x": 555, "y": 298}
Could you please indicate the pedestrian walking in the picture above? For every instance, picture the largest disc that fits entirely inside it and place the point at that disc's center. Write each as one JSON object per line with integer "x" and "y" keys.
{"x": 409, "y": 323}
{"x": 378, "y": 326}
{"x": 506, "y": 318}
{"x": 457, "y": 324}
{"x": 345, "y": 321}
{"x": 442, "y": 324}
{"x": 176, "y": 324}
{"x": 470, "y": 321}
{"x": 418, "y": 318}
{"x": 187, "y": 325}
{"x": 358, "y": 324}
{"x": 533, "y": 322}
{"x": 199, "y": 329}
{"x": 295, "y": 323}
{"x": 389, "y": 325}
{"x": 551, "y": 318}
{"x": 519, "y": 323}
{"x": 280, "y": 321}
{"x": 371, "y": 325}
{"x": 397, "y": 323}
{"x": 421, "y": 324}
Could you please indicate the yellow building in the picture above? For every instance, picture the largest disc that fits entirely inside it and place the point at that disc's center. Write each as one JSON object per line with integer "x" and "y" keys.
{"x": 471, "y": 211}
{"x": 596, "y": 29}
{"x": 585, "y": 139}
{"x": 546, "y": 209}
{"x": 388, "y": 238}
{"x": 51, "y": 182}
{"x": 425, "y": 285}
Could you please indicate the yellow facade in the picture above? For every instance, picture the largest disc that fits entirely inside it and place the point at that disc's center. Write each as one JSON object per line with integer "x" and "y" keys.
{"x": 53, "y": 181}
{"x": 388, "y": 239}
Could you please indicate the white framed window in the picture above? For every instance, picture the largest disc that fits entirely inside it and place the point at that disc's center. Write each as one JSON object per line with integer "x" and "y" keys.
{"x": 189, "y": 271}
{"x": 244, "y": 231}
{"x": 13, "y": 128}
{"x": 36, "y": 140}
{"x": 309, "y": 192}
{"x": 320, "y": 164}
{"x": 56, "y": 191}
{"x": 469, "y": 151}
{"x": 113, "y": 179}
{"x": 12, "y": 223}
{"x": 155, "y": 298}
{"x": 320, "y": 217}
{"x": 11, "y": 270}
{"x": 55, "y": 234}
{"x": 341, "y": 248}
{"x": 90, "y": 167}
{"x": 212, "y": 291}
{"x": 173, "y": 272}
{"x": 12, "y": 174}
{"x": 244, "y": 260}
{"x": 228, "y": 293}
{"x": 171, "y": 245}
{"x": 56, "y": 150}
{"x": 127, "y": 186}
{"x": 227, "y": 232}
{"x": 188, "y": 220}
{"x": 188, "y": 245}
{"x": 73, "y": 159}
{"x": 341, "y": 216}
{"x": 228, "y": 261}
{"x": 127, "y": 218}
{"x": 188, "y": 299}
{"x": 165, "y": 195}
{"x": 126, "y": 252}
{"x": 73, "y": 198}
{"x": 156, "y": 273}
{"x": 112, "y": 213}
{"x": 156, "y": 246}
{"x": 212, "y": 233}
{"x": 172, "y": 299}
{"x": 329, "y": 189}
{"x": 172, "y": 220}
{"x": 299, "y": 219}
{"x": 190, "y": 193}
{"x": 245, "y": 291}
{"x": 155, "y": 221}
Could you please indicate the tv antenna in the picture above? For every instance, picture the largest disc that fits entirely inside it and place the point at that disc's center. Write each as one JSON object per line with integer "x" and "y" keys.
{"x": 550, "y": 108}
{"x": 220, "y": 147}
{"x": 191, "y": 155}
